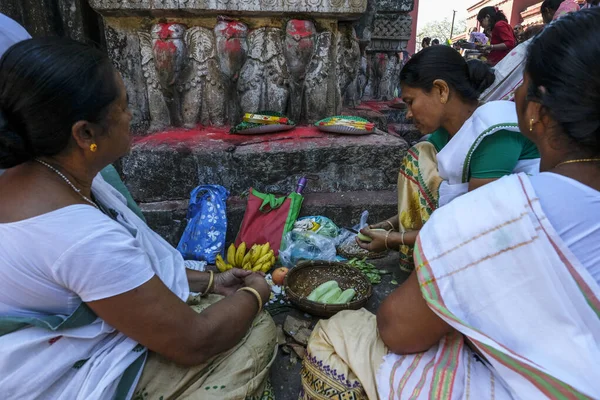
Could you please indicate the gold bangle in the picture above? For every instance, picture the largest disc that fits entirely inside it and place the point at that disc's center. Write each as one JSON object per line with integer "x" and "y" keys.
{"x": 256, "y": 294}
{"x": 402, "y": 239}
{"x": 392, "y": 225}
{"x": 211, "y": 280}
{"x": 386, "y": 239}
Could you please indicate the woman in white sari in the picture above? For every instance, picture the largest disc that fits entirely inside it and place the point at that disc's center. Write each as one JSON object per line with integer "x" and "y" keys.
{"x": 472, "y": 144}
{"x": 92, "y": 301}
{"x": 505, "y": 299}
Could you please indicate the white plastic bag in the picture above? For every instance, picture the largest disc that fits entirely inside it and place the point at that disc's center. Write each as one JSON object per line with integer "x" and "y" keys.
{"x": 306, "y": 245}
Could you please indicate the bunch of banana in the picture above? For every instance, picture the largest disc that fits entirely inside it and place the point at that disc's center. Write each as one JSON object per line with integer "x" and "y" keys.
{"x": 258, "y": 258}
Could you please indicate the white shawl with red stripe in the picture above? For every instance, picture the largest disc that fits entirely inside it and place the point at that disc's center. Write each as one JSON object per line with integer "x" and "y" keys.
{"x": 491, "y": 265}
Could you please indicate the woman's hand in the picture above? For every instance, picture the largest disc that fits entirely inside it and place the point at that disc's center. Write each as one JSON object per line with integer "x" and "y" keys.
{"x": 229, "y": 282}
{"x": 388, "y": 224}
{"x": 486, "y": 49}
{"x": 377, "y": 245}
{"x": 258, "y": 282}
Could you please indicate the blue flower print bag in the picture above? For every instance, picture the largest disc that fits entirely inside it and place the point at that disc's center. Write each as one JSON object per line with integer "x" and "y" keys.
{"x": 204, "y": 236}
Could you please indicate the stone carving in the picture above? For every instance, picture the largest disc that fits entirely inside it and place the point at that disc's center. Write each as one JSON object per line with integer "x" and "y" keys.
{"x": 321, "y": 97}
{"x": 204, "y": 95}
{"x": 348, "y": 63}
{"x": 387, "y": 82}
{"x": 163, "y": 52}
{"x": 396, "y": 6}
{"x": 182, "y": 75}
{"x": 378, "y": 64}
{"x": 250, "y": 7}
{"x": 232, "y": 48}
{"x": 390, "y": 32}
{"x": 263, "y": 82}
{"x": 298, "y": 50}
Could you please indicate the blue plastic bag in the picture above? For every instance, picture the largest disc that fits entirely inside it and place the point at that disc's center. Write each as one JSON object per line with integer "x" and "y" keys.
{"x": 204, "y": 236}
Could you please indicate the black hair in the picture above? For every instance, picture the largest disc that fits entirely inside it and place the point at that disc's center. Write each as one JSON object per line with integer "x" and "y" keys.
{"x": 468, "y": 80}
{"x": 551, "y": 4}
{"x": 548, "y": 9}
{"x": 496, "y": 15}
{"x": 531, "y": 31}
{"x": 46, "y": 86}
{"x": 562, "y": 63}
{"x": 435, "y": 42}
{"x": 426, "y": 41}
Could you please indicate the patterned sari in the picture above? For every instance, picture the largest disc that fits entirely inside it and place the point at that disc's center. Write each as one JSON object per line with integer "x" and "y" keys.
{"x": 525, "y": 313}
{"x": 239, "y": 373}
{"x": 418, "y": 184}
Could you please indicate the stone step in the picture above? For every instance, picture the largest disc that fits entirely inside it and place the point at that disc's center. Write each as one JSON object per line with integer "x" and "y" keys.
{"x": 344, "y": 208}
{"x": 168, "y": 165}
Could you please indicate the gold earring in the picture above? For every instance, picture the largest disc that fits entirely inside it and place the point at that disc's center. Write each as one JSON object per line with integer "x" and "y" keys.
{"x": 93, "y": 147}
{"x": 531, "y": 121}
{"x": 443, "y": 101}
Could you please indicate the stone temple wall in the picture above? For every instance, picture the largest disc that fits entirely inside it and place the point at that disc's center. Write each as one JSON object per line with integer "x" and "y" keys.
{"x": 190, "y": 62}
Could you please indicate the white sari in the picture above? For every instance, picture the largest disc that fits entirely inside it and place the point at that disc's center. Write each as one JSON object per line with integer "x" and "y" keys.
{"x": 455, "y": 158}
{"x": 79, "y": 356}
{"x": 505, "y": 281}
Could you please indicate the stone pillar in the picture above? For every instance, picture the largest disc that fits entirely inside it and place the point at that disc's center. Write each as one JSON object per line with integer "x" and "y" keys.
{"x": 190, "y": 62}
{"x": 72, "y": 18}
{"x": 389, "y": 34}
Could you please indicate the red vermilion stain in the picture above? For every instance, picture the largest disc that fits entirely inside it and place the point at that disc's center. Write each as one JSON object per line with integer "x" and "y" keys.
{"x": 54, "y": 340}
{"x": 233, "y": 29}
{"x": 202, "y": 136}
{"x": 164, "y": 32}
{"x": 233, "y": 45}
{"x": 300, "y": 28}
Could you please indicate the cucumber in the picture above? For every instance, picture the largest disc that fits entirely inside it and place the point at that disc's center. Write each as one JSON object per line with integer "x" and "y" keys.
{"x": 346, "y": 296}
{"x": 364, "y": 238}
{"x": 322, "y": 290}
{"x": 331, "y": 296}
{"x": 367, "y": 239}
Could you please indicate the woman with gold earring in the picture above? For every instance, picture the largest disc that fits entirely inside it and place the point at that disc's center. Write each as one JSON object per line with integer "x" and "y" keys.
{"x": 470, "y": 144}
{"x": 504, "y": 302}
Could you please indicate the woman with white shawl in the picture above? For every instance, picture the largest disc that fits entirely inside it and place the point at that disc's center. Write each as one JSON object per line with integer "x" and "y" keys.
{"x": 505, "y": 299}
{"x": 471, "y": 144}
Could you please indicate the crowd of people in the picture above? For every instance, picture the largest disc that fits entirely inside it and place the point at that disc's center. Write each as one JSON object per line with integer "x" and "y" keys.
{"x": 496, "y": 226}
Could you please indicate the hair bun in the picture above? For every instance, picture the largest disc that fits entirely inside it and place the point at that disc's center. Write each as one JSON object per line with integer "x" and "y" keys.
{"x": 13, "y": 148}
{"x": 481, "y": 75}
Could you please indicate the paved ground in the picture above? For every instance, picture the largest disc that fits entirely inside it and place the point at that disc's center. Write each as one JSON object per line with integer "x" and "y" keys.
{"x": 285, "y": 376}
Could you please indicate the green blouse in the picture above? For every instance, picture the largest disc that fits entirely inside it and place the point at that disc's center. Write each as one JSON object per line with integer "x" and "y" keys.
{"x": 496, "y": 156}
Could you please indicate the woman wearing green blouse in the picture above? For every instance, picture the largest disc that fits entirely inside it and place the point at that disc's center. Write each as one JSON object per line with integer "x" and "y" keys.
{"x": 470, "y": 145}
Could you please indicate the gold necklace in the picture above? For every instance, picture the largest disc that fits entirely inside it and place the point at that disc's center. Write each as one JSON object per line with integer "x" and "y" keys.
{"x": 580, "y": 160}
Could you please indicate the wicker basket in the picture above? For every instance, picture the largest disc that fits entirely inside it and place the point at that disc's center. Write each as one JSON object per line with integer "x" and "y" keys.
{"x": 369, "y": 255}
{"x": 308, "y": 275}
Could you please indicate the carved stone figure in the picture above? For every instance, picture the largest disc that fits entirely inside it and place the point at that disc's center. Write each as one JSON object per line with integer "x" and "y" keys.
{"x": 395, "y": 81}
{"x": 263, "y": 82}
{"x": 348, "y": 63}
{"x": 232, "y": 47}
{"x": 386, "y": 83}
{"x": 163, "y": 53}
{"x": 321, "y": 93}
{"x": 203, "y": 91}
{"x": 298, "y": 49}
{"x": 379, "y": 62}
{"x": 364, "y": 71}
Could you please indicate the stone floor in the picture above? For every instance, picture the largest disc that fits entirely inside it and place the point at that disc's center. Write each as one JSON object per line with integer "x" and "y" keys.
{"x": 285, "y": 376}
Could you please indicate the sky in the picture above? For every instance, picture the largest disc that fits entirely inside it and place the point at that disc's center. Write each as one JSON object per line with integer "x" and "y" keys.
{"x": 436, "y": 10}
